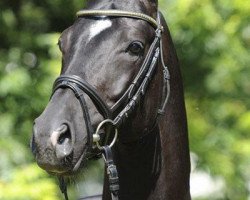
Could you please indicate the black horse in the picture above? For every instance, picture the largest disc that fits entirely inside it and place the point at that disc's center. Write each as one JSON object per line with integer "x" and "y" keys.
{"x": 114, "y": 67}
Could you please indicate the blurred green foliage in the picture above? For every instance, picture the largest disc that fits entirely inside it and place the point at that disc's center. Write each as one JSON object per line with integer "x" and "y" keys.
{"x": 213, "y": 43}
{"x": 29, "y": 62}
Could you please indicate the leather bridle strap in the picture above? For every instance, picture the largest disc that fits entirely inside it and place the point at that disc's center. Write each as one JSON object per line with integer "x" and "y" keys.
{"x": 65, "y": 80}
{"x": 111, "y": 172}
{"x": 68, "y": 82}
{"x": 140, "y": 75}
{"x": 133, "y": 101}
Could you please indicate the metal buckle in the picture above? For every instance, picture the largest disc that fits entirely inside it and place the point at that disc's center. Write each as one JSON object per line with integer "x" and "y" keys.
{"x": 96, "y": 136}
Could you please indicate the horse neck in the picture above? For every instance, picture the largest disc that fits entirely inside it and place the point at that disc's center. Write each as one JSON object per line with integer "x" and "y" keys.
{"x": 173, "y": 181}
{"x": 154, "y": 167}
{"x": 157, "y": 166}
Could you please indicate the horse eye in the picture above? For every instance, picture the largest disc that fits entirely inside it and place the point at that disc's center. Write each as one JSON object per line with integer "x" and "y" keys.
{"x": 135, "y": 48}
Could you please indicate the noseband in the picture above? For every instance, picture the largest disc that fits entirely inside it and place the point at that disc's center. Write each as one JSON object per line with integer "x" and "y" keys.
{"x": 117, "y": 114}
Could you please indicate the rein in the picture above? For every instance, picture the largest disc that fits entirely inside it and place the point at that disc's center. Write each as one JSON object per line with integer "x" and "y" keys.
{"x": 130, "y": 98}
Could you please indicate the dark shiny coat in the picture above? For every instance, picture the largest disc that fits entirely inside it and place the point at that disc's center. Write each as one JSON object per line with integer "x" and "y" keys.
{"x": 152, "y": 159}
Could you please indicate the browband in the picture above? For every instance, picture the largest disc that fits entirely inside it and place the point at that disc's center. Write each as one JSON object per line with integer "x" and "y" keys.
{"x": 120, "y": 13}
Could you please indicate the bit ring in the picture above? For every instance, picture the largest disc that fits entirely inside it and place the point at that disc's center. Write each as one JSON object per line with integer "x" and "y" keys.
{"x": 96, "y": 136}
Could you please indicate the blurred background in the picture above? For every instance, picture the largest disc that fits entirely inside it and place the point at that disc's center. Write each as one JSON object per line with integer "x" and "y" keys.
{"x": 212, "y": 39}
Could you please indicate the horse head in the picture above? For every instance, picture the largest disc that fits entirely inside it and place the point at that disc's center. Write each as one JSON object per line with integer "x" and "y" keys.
{"x": 114, "y": 79}
{"x": 107, "y": 52}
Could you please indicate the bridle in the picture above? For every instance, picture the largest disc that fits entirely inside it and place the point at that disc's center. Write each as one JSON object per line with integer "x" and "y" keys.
{"x": 130, "y": 98}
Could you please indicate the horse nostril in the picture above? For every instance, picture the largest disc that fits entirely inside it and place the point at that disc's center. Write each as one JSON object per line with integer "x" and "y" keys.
{"x": 64, "y": 137}
{"x": 60, "y": 135}
{"x": 62, "y": 141}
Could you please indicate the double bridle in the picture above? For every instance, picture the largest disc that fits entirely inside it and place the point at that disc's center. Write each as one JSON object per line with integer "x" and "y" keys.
{"x": 118, "y": 113}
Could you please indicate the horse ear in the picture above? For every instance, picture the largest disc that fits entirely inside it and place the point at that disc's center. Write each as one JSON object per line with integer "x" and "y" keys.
{"x": 152, "y": 6}
{"x": 154, "y": 2}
